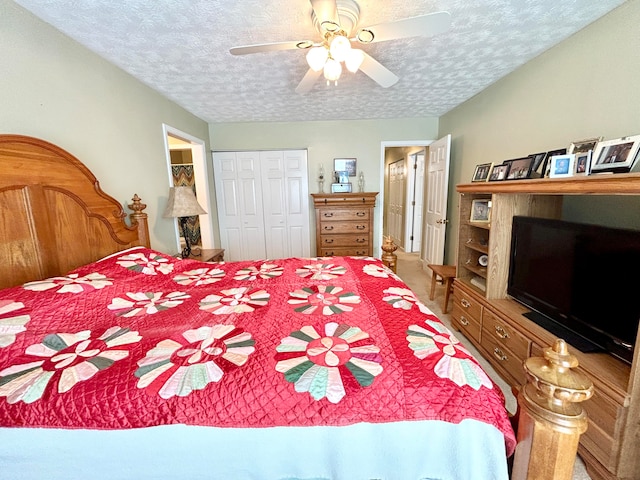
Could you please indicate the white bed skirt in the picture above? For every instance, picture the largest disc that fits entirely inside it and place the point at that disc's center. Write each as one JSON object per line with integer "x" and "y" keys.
{"x": 388, "y": 451}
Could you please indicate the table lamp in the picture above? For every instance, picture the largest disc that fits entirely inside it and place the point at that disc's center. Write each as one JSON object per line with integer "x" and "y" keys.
{"x": 182, "y": 204}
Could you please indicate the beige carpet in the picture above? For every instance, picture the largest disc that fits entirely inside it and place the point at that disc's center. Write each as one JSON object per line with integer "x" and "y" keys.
{"x": 410, "y": 270}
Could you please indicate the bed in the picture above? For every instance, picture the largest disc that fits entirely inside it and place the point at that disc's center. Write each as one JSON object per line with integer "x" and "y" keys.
{"x": 120, "y": 361}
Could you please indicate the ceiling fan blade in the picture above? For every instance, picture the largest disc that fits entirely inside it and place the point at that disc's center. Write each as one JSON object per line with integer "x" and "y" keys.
{"x": 307, "y": 81}
{"x": 271, "y": 47}
{"x": 326, "y": 11}
{"x": 423, "y": 25}
{"x": 378, "y": 72}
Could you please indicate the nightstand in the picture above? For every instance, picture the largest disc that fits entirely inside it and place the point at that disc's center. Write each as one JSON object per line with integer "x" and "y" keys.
{"x": 209, "y": 255}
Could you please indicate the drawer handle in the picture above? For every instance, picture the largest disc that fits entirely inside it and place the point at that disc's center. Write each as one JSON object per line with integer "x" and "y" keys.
{"x": 361, "y": 253}
{"x": 499, "y": 354}
{"x": 464, "y": 321}
{"x": 328, "y": 227}
{"x": 360, "y": 240}
{"x": 502, "y": 333}
{"x": 361, "y": 227}
{"x": 465, "y": 303}
{"x": 328, "y": 240}
{"x": 360, "y": 214}
{"x": 328, "y": 214}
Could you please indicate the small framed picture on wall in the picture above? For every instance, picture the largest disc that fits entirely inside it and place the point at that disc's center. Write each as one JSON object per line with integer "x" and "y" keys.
{"x": 345, "y": 165}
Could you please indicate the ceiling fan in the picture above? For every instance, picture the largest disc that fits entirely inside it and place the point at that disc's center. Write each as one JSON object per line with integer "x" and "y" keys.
{"x": 336, "y": 20}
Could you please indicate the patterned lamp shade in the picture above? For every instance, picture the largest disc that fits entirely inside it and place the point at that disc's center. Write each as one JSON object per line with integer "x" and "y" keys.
{"x": 182, "y": 203}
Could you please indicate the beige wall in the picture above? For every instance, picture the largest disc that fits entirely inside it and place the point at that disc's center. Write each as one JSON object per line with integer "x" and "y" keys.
{"x": 54, "y": 89}
{"x": 587, "y": 86}
{"x": 360, "y": 139}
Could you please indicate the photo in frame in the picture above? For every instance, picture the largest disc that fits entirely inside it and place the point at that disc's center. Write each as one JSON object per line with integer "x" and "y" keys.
{"x": 562, "y": 165}
{"x": 519, "y": 168}
{"x": 345, "y": 165}
{"x": 481, "y": 210}
{"x": 583, "y": 163}
{"x": 499, "y": 173}
{"x": 585, "y": 145}
{"x": 546, "y": 168}
{"x": 482, "y": 172}
{"x": 617, "y": 155}
{"x": 341, "y": 176}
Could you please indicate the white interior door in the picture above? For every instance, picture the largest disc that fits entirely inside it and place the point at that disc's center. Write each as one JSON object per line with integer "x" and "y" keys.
{"x": 396, "y": 200}
{"x": 436, "y": 208}
{"x": 415, "y": 202}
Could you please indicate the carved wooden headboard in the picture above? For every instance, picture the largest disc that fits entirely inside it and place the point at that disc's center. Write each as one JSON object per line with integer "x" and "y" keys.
{"x": 53, "y": 214}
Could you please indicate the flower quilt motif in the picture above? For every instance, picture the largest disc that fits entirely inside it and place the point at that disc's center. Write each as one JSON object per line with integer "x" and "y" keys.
{"x": 200, "y": 276}
{"x": 462, "y": 371}
{"x": 69, "y": 357}
{"x": 266, "y": 271}
{"x": 151, "y": 265}
{"x": 380, "y": 271}
{"x": 405, "y": 299}
{"x": 318, "y": 364}
{"x": 321, "y": 271}
{"x": 329, "y": 299}
{"x": 146, "y": 303}
{"x": 71, "y": 283}
{"x": 13, "y": 319}
{"x": 173, "y": 368}
{"x": 234, "y": 300}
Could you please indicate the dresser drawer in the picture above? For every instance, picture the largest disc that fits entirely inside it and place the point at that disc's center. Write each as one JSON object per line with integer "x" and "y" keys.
{"x": 467, "y": 304}
{"x": 467, "y": 324}
{"x": 340, "y": 215}
{"x": 344, "y": 227}
{"x": 504, "y": 335}
{"x": 502, "y": 356}
{"x": 343, "y": 251}
{"x": 344, "y": 240}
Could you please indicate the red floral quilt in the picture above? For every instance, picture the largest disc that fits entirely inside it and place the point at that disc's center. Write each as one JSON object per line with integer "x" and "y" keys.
{"x": 142, "y": 339}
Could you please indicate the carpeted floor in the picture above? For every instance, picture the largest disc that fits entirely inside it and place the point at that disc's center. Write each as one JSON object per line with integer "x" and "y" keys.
{"x": 409, "y": 268}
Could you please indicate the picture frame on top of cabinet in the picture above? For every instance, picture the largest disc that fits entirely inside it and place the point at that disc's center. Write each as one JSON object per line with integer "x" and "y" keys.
{"x": 583, "y": 163}
{"x": 499, "y": 172}
{"x": 519, "y": 168}
{"x": 562, "y": 165}
{"x": 585, "y": 145}
{"x": 482, "y": 172}
{"x": 617, "y": 155}
{"x": 537, "y": 164}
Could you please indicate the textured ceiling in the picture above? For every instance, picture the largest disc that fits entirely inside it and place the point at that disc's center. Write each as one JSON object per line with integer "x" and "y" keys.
{"x": 181, "y": 49}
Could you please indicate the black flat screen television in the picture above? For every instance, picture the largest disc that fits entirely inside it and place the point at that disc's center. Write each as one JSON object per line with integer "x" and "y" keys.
{"x": 579, "y": 281}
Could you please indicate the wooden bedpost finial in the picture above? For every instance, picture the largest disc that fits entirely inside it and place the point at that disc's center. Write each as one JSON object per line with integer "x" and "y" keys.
{"x": 551, "y": 417}
{"x": 139, "y": 219}
{"x": 388, "y": 257}
{"x": 137, "y": 206}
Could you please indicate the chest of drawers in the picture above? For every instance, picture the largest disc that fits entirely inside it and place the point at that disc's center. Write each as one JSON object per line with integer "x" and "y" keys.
{"x": 344, "y": 223}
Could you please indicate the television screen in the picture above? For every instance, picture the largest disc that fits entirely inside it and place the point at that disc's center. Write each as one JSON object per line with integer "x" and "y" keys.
{"x": 575, "y": 278}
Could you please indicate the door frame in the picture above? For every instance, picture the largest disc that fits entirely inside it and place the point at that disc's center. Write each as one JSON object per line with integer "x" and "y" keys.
{"x": 383, "y": 146}
{"x": 201, "y": 176}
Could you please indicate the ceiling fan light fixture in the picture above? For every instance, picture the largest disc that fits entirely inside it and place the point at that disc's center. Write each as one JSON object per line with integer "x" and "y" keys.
{"x": 365, "y": 36}
{"x": 332, "y": 70}
{"x": 354, "y": 59}
{"x": 339, "y": 48}
{"x": 317, "y": 57}
{"x": 329, "y": 26}
{"x": 303, "y": 45}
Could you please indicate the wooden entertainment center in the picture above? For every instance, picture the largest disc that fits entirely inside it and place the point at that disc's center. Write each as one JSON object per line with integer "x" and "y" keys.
{"x": 495, "y": 324}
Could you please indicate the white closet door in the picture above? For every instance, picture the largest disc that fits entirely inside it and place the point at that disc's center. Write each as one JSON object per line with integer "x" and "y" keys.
{"x": 285, "y": 203}
{"x": 239, "y": 198}
{"x": 396, "y": 200}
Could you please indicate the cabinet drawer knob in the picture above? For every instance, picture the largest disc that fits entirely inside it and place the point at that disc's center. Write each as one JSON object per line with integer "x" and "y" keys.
{"x": 464, "y": 321}
{"x": 328, "y": 214}
{"x": 360, "y": 240}
{"x": 502, "y": 333}
{"x": 465, "y": 303}
{"x": 328, "y": 240}
{"x": 361, "y": 227}
{"x": 360, "y": 214}
{"x": 328, "y": 227}
{"x": 499, "y": 354}
{"x": 361, "y": 253}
